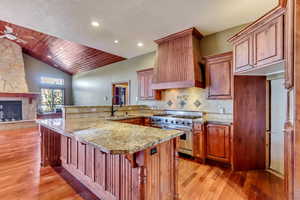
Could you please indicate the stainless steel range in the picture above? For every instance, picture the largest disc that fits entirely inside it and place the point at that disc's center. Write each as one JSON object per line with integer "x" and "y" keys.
{"x": 179, "y": 120}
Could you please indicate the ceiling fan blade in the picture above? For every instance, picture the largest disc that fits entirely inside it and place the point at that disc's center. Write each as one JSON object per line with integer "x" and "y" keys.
{"x": 9, "y": 29}
{"x": 11, "y": 37}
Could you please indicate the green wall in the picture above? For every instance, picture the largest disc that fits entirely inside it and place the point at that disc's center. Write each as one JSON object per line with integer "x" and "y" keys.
{"x": 217, "y": 43}
{"x": 35, "y": 69}
{"x": 91, "y": 88}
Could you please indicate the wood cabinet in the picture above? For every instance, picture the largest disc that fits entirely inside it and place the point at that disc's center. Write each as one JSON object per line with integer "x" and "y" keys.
{"x": 218, "y": 142}
{"x": 261, "y": 44}
{"x": 219, "y": 76}
{"x": 145, "y": 91}
{"x": 178, "y": 61}
{"x": 268, "y": 43}
{"x": 199, "y": 142}
{"x": 243, "y": 54}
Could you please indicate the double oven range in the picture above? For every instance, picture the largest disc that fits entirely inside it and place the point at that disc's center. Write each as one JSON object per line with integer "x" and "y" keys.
{"x": 179, "y": 120}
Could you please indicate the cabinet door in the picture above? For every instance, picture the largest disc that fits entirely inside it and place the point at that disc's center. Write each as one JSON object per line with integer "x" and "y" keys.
{"x": 243, "y": 54}
{"x": 142, "y": 85}
{"x": 199, "y": 144}
{"x": 268, "y": 43}
{"x": 218, "y": 142}
{"x": 150, "y": 91}
{"x": 219, "y": 76}
{"x": 145, "y": 78}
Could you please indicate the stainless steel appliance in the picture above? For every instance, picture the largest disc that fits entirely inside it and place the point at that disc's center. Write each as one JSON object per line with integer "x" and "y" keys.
{"x": 179, "y": 120}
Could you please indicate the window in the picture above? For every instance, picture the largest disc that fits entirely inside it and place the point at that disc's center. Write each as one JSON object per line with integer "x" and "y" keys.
{"x": 52, "y": 99}
{"x": 52, "y": 81}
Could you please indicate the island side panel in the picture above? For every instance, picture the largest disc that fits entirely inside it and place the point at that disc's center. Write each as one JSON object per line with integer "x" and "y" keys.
{"x": 161, "y": 166}
{"x": 50, "y": 147}
{"x": 108, "y": 176}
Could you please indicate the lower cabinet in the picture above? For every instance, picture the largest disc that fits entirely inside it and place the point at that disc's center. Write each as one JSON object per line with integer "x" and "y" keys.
{"x": 199, "y": 143}
{"x": 218, "y": 145}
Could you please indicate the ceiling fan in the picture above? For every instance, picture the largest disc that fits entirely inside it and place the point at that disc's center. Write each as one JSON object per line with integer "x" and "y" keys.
{"x": 9, "y": 34}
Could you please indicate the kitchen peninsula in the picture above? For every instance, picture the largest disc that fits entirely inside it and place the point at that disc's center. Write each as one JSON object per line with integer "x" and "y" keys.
{"x": 114, "y": 160}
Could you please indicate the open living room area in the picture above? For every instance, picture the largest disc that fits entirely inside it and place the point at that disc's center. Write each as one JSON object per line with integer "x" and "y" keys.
{"x": 148, "y": 100}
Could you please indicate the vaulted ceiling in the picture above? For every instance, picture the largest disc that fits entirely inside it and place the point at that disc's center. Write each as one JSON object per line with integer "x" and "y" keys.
{"x": 129, "y": 21}
{"x": 67, "y": 56}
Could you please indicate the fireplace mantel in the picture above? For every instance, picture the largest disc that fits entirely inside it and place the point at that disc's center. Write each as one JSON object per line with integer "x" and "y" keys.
{"x": 29, "y": 95}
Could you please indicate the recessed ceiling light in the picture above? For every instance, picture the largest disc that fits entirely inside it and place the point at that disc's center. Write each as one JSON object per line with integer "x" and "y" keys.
{"x": 140, "y": 44}
{"x": 95, "y": 24}
{"x": 116, "y": 41}
{"x": 61, "y": 48}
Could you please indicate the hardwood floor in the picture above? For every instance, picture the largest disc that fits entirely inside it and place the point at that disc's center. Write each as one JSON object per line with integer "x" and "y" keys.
{"x": 203, "y": 182}
{"x": 21, "y": 177}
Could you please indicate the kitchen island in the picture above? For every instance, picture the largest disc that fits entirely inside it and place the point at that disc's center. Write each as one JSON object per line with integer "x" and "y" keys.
{"x": 114, "y": 160}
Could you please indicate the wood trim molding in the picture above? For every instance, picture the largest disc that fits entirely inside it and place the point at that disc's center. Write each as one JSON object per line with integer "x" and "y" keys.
{"x": 274, "y": 13}
{"x": 144, "y": 70}
{"x": 191, "y": 31}
{"x": 26, "y": 95}
{"x": 218, "y": 56}
{"x": 296, "y": 135}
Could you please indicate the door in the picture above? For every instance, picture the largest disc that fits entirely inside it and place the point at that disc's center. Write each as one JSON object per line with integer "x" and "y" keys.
{"x": 218, "y": 142}
{"x": 278, "y": 112}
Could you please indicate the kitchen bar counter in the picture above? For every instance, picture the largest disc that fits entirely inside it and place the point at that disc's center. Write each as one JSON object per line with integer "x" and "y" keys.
{"x": 116, "y": 161}
{"x": 111, "y": 137}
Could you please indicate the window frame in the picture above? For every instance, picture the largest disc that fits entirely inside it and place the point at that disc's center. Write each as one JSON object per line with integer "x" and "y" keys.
{"x": 52, "y": 88}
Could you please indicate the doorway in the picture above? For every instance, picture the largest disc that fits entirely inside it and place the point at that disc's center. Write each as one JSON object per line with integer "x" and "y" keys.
{"x": 121, "y": 93}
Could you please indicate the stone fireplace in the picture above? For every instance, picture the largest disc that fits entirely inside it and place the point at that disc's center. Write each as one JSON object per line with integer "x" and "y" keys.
{"x": 17, "y": 104}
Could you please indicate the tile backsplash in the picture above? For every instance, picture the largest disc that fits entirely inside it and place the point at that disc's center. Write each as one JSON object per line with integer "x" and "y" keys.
{"x": 194, "y": 99}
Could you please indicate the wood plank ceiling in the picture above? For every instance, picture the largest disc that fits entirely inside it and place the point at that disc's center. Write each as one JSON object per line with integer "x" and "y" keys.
{"x": 64, "y": 55}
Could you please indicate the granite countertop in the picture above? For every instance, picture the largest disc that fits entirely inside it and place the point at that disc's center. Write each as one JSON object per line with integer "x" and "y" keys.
{"x": 109, "y": 136}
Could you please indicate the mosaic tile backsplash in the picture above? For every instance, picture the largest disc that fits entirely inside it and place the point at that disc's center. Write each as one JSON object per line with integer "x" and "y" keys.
{"x": 194, "y": 99}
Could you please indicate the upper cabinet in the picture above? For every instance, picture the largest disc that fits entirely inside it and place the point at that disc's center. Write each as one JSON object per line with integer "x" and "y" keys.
{"x": 219, "y": 76}
{"x": 261, "y": 44}
{"x": 268, "y": 42}
{"x": 243, "y": 54}
{"x": 145, "y": 90}
{"x": 178, "y": 61}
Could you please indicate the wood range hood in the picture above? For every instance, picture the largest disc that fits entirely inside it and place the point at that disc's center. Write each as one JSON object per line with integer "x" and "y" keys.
{"x": 177, "y": 62}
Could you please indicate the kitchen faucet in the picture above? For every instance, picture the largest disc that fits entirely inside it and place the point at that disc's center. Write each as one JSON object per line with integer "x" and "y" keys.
{"x": 112, "y": 105}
